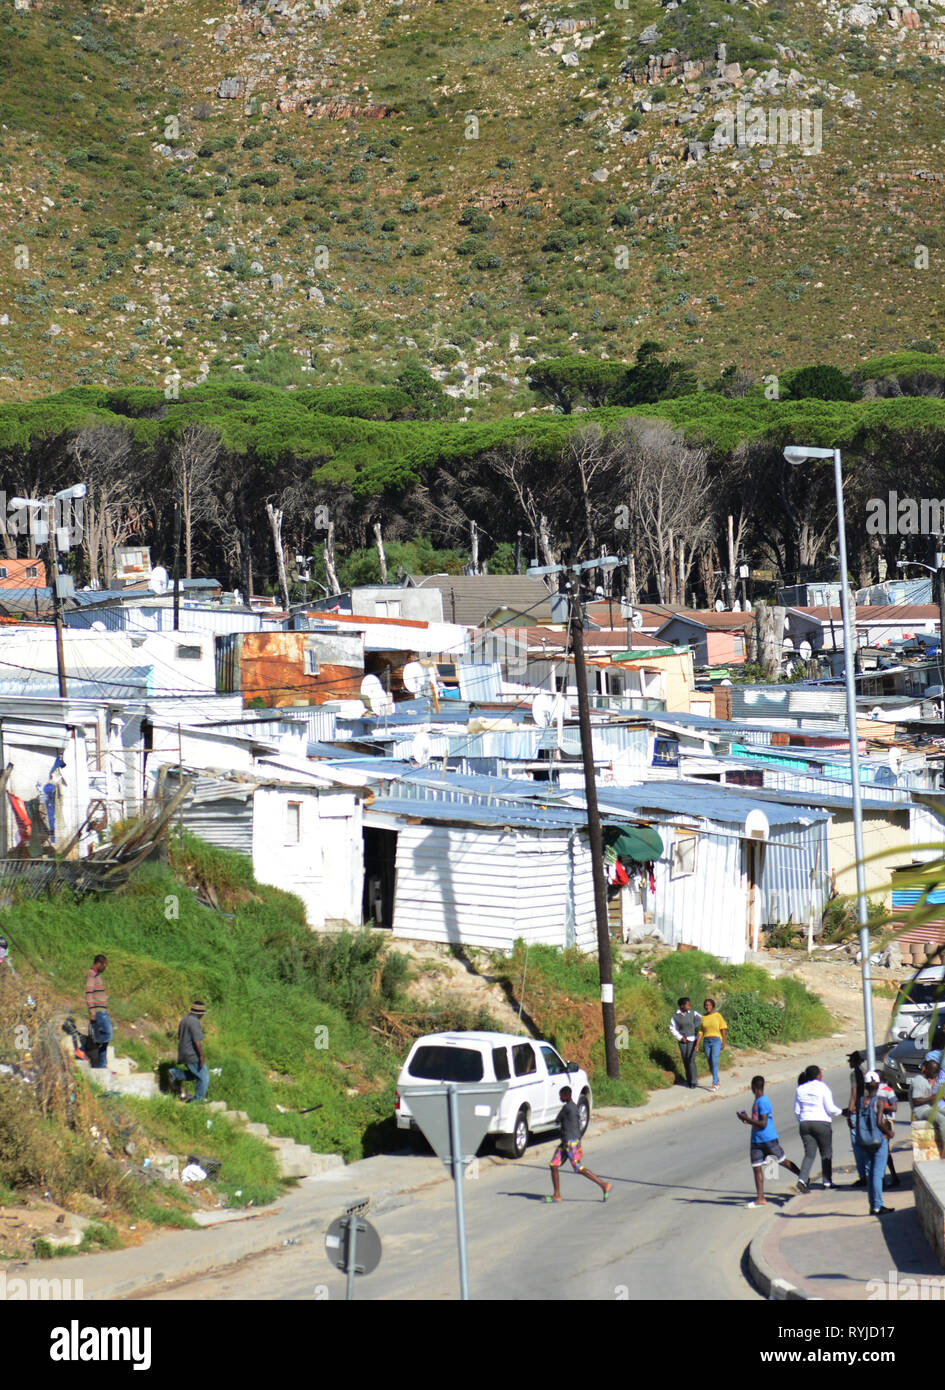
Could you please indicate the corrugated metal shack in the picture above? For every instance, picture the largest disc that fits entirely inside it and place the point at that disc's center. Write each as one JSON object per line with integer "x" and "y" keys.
{"x": 731, "y": 863}
{"x": 479, "y": 868}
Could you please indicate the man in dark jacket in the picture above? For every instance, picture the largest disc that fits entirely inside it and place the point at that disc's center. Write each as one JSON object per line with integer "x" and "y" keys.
{"x": 192, "y": 1064}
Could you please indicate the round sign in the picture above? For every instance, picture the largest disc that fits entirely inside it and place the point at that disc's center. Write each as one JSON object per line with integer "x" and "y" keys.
{"x": 367, "y": 1249}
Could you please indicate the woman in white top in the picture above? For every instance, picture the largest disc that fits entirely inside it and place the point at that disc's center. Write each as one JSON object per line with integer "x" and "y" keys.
{"x": 814, "y": 1107}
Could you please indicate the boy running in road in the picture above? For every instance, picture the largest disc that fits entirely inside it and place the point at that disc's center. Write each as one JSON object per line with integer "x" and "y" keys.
{"x": 764, "y": 1139}
{"x": 569, "y": 1121}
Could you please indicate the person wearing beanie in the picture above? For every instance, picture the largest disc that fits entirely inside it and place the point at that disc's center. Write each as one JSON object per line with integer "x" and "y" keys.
{"x": 191, "y": 1062}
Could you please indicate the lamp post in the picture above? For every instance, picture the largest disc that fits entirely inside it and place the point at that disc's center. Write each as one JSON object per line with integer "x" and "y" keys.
{"x": 68, "y": 494}
{"x": 796, "y": 454}
{"x": 604, "y": 960}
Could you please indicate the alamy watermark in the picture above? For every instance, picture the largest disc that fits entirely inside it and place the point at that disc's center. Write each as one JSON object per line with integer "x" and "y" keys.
{"x": 64, "y": 513}
{"x": 905, "y": 516}
{"x": 899, "y": 1288}
{"x": 778, "y": 127}
{"x": 40, "y": 1290}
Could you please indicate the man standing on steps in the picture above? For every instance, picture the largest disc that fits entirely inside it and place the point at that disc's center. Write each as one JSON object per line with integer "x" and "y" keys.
{"x": 191, "y": 1063}
{"x": 684, "y": 1026}
{"x": 100, "y": 1025}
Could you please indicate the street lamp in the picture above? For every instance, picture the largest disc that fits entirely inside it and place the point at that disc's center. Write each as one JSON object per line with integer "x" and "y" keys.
{"x": 68, "y": 494}
{"x": 797, "y": 454}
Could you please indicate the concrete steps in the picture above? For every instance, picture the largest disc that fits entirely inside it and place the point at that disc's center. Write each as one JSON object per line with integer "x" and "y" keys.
{"x": 295, "y": 1160}
{"x": 120, "y": 1076}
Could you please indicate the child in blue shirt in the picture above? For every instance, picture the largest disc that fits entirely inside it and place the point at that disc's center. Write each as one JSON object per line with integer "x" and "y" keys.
{"x": 764, "y": 1141}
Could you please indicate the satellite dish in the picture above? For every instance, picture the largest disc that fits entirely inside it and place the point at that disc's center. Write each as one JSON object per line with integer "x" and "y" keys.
{"x": 876, "y": 712}
{"x": 374, "y": 694}
{"x": 719, "y": 606}
{"x": 159, "y": 579}
{"x": 99, "y": 626}
{"x": 787, "y": 645}
{"x": 543, "y": 710}
{"x": 421, "y": 748}
{"x": 636, "y": 622}
{"x": 736, "y": 606}
{"x": 414, "y": 676}
{"x": 805, "y": 651}
{"x": 561, "y": 707}
{"x": 895, "y": 759}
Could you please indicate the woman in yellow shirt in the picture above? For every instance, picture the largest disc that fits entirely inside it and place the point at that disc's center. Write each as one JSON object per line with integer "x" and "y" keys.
{"x": 712, "y": 1031}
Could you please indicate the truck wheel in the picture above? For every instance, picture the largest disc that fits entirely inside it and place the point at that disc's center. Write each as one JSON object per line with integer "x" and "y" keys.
{"x": 519, "y": 1140}
{"x": 584, "y": 1112}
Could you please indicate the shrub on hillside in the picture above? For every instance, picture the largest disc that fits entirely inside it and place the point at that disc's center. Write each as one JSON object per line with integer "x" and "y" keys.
{"x": 751, "y": 1021}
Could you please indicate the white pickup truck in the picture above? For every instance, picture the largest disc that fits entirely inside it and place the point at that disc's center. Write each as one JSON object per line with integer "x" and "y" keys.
{"x": 534, "y": 1071}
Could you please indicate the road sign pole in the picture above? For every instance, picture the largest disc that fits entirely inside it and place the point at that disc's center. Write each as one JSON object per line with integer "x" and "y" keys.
{"x": 458, "y": 1175}
{"x": 351, "y": 1255}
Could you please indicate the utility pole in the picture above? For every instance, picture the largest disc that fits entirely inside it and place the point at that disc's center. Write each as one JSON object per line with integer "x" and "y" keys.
{"x": 605, "y": 961}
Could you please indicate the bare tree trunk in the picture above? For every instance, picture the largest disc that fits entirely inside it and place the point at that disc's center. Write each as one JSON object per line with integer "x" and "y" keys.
{"x": 331, "y": 574}
{"x": 381, "y": 555}
{"x": 682, "y": 574}
{"x": 246, "y": 575}
{"x": 708, "y": 563}
{"x": 632, "y": 580}
{"x": 473, "y": 547}
{"x": 544, "y": 540}
{"x": 275, "y": 521}
{"x": 731, "y": 562}
{"x": 770, "y": 623}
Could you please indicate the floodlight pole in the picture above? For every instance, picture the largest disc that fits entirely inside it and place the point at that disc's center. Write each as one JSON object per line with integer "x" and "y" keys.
{"x": 796, "y": 455}
{"x": 56, "y": 598}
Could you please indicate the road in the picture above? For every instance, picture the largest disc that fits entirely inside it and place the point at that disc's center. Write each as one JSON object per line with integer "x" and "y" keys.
{"x": 676, "y": 1224}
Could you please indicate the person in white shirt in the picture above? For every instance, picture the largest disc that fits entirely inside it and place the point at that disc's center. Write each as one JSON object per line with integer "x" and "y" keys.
{"x": 814, "y": 1107}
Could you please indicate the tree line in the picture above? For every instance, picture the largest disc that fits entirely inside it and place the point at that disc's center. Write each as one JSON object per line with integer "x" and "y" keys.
{"x": 237, "y": 478}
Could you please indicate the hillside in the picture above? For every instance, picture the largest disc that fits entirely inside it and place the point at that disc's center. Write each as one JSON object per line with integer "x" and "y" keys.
{"x": 188, "y": 189}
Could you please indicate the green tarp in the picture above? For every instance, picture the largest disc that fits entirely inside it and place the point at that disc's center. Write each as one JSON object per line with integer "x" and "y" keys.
{"x": 639, "y": 842}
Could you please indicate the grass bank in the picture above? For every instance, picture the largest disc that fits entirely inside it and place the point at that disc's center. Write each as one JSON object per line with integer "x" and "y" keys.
{"x": 562, "y": 998}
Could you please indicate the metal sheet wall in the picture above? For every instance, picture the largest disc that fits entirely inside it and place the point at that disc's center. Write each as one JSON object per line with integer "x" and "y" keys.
{"x": 488, "y": 887}
{"x": 792, "y": 880}
{"x": 706, "y": 908}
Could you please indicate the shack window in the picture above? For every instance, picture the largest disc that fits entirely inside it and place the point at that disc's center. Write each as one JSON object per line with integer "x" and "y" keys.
{"x": 665, "y": 752}
{"x": 311, "y": 661}
{"x": 189, "y": 653}
{"x": 684, "y": 855}
{"x": 293, "y": 822}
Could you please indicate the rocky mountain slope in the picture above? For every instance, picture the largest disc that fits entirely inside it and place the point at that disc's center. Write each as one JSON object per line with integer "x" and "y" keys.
{"x": 311, "y": 191}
